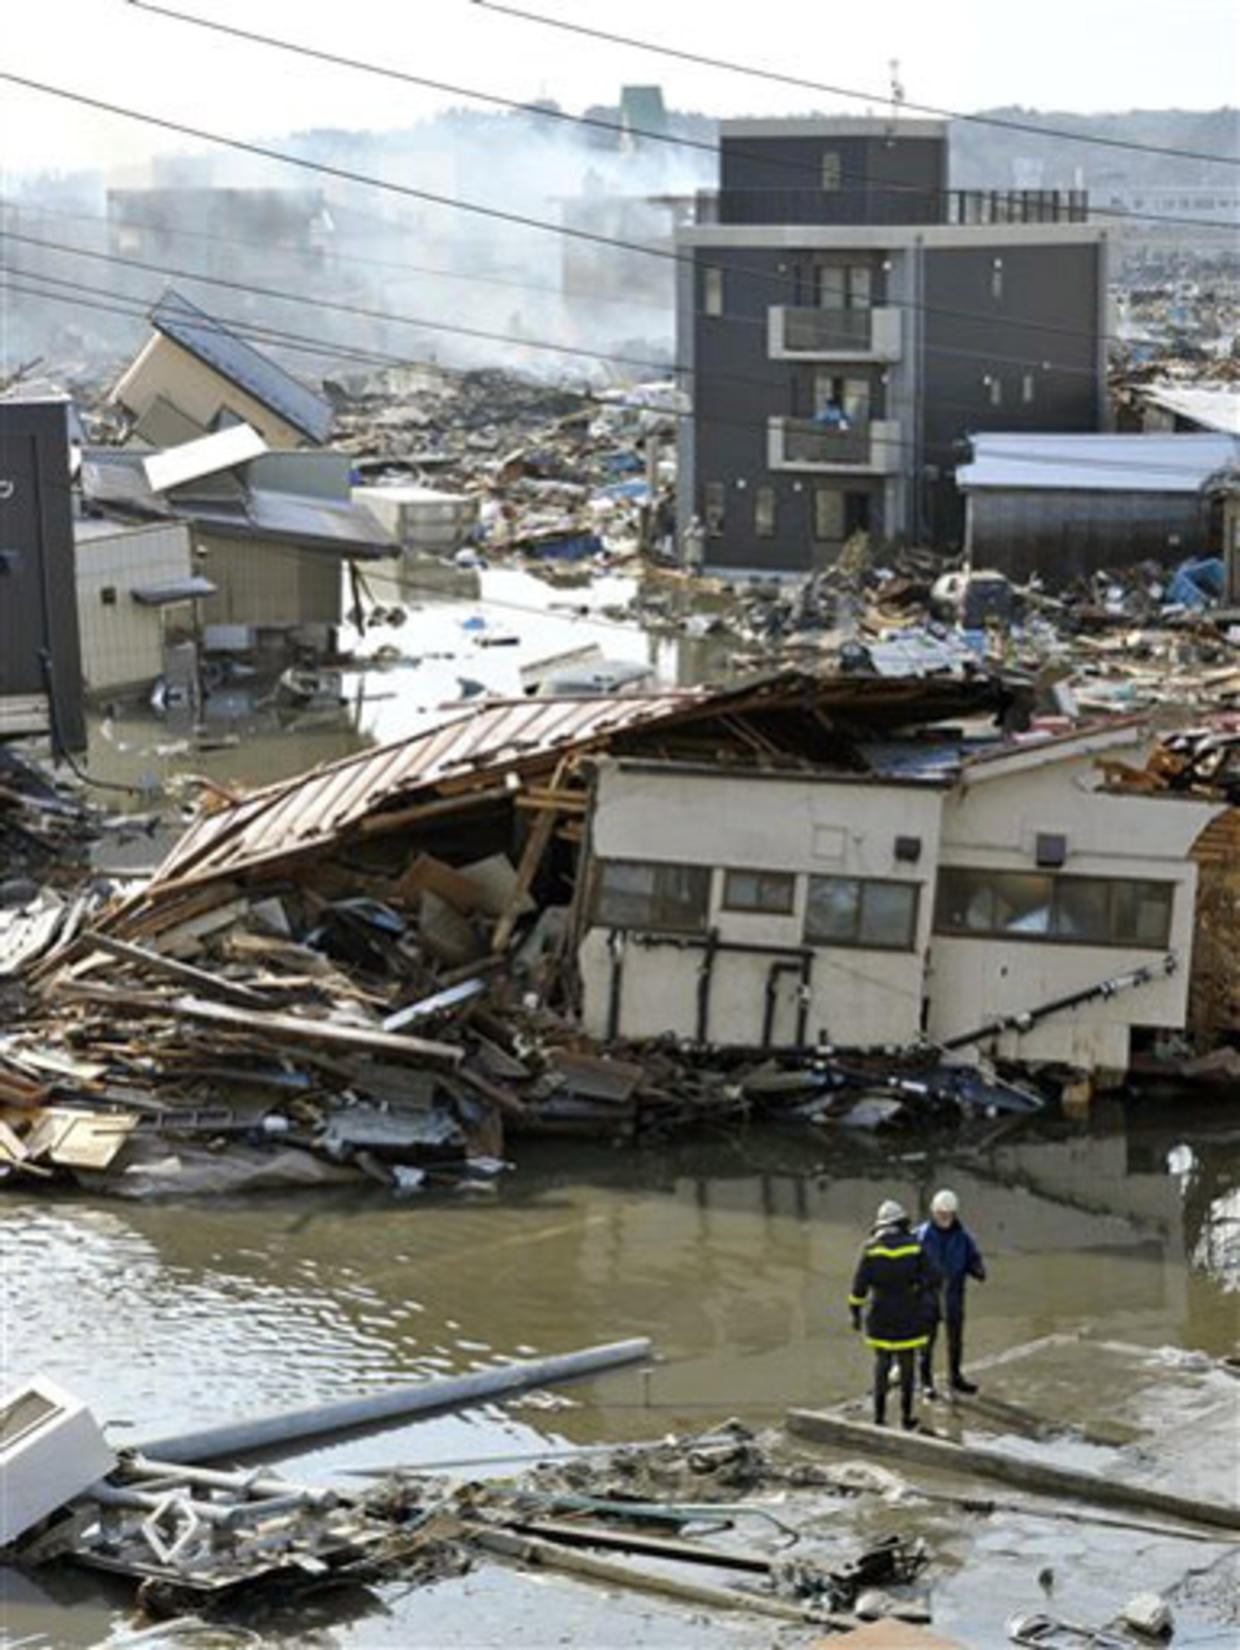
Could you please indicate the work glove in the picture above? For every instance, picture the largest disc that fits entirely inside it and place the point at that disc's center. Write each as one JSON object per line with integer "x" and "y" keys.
{"x": 855, "y": 1312}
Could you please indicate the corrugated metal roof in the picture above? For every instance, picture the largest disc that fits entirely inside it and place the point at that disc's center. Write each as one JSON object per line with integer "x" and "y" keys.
{"x": 1096, "y": 463}
{"x": 177, "y": 318}
{"x": 495, "y": 738}
{"x": 526, "y": 737}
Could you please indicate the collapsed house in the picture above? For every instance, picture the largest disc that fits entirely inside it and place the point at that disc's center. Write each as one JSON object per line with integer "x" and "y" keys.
{"x": 269, "y": 533}
{"x": 797, "y": 864}
{"x": 194, "y": 376}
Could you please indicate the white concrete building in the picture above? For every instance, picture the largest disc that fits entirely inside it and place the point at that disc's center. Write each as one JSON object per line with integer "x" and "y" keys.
{"x": 799, "y": 908}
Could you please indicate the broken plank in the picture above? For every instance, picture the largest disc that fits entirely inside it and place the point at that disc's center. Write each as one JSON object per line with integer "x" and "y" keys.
{"x": 243, "y": 996}
{"x": 1040, "y": 1476}
{"x": 531, "y": 858}
{"x": 282, "y": 1027}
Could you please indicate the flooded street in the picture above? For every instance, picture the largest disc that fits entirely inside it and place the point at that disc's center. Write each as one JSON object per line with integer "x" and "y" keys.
{"x": 733, "y": 1256}
{"x": 457, "y": 633}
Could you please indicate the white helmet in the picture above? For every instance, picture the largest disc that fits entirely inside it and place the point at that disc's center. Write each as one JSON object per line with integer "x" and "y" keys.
{"x": 944, "y": 1203}
{"x": 889, "y": 1211}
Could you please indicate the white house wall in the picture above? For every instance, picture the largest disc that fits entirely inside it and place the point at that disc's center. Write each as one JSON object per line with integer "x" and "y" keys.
{"x": 807, "y": 826}
{"x": 122, "y": 641}
{"x": 992, "y": 824}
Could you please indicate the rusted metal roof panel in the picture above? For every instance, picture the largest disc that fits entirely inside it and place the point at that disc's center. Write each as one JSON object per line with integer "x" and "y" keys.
{"x": 308, "y": 811}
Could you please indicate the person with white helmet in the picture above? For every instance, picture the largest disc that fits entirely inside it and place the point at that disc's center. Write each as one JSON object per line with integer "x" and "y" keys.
{"x": 956, "y": 1257}
{"x": 895, "y": 1277}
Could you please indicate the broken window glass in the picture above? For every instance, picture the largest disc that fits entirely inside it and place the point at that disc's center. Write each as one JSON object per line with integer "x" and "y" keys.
{"x": 1072, "y": 910}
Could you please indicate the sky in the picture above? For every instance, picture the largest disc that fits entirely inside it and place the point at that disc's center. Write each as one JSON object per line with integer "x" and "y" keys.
{"x": 1086, "y": 55}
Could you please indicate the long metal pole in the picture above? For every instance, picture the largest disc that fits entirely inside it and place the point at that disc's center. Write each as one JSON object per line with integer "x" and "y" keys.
{"x": 235, "y": 1439}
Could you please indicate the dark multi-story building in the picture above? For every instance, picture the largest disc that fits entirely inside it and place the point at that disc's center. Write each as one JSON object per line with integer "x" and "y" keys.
{"x": 845, "y": 319}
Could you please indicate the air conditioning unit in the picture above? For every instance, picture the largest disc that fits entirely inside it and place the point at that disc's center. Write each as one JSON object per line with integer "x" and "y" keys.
{"x": 51, "y": 1449}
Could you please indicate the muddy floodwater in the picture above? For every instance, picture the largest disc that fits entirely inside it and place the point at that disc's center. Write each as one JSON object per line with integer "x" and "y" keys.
{"x": 732, "y": 1254}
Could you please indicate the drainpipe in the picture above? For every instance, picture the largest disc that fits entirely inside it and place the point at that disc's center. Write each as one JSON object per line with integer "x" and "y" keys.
{"x": 705, "y": 972}
{"x": 615, "y": 945}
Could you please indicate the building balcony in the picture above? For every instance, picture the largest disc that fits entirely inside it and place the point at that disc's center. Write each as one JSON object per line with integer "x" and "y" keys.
{"x": 872, "y": 448}
{"x": 890, "y": 206}
{"x": 833, "y": 334}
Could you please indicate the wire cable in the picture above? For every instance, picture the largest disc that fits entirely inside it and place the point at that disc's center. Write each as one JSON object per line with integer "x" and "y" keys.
{"x": 756, "y": 73}
{"x": 138, "y": 309}
{"x": 539, "y": 111}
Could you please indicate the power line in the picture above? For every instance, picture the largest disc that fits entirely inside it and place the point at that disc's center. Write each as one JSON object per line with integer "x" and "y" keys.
{"x": 10, "y": 204}
{"x": 138, "y": 309}
{"x": 987, "y": 357}
{"x": 537, "y": 111}
{"x": 756, "y": 73}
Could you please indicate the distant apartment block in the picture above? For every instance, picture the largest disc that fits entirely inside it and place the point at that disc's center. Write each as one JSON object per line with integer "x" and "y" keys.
{"x": 845, "y": 319}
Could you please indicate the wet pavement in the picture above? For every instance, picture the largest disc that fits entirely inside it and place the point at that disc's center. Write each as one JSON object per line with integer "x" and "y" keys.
{"x": 733, "y": 1255}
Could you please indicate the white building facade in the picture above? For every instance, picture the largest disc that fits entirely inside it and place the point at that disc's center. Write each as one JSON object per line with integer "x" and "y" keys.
{"x": 807, "y": 909}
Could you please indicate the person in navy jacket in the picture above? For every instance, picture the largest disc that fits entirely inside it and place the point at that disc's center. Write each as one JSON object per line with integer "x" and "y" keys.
{"x": 951, "y": 1250}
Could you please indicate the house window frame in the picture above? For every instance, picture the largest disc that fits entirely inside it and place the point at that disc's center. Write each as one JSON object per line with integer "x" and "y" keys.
{"x": 667, "y": 913}
{"x": 714, "y": 508}
{"x": 859, "y": 940}
{"x": 764, "y": 512}
{"x": 782, "y": 883}
{"x": 1059, "y": 891}
{"x": 713, "y": 297}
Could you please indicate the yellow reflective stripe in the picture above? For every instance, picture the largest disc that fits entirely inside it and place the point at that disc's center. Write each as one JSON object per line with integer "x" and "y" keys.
{"x": 896, "y": 1346}
{"x": 896, "y": 1254}
{"x": 856, "y": 1300}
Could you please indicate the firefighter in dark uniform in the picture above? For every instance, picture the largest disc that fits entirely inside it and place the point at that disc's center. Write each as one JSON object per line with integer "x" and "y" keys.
{"x": 896, "y": 1277}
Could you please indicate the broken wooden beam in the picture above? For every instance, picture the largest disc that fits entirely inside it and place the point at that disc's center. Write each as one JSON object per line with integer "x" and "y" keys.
{"x": 1040, "y": 1476}
{"x": 230, "y": 991}
{"x": 531, "y": 858}
{"x": 298, "y": 1028}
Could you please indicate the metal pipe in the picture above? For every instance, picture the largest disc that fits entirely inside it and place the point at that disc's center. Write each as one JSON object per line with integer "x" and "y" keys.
{"x": 454, "y": 1392}
{"x": 705, "y": 973}
{"x": 241, "y": 1483}
{"x": 615, "y": 945}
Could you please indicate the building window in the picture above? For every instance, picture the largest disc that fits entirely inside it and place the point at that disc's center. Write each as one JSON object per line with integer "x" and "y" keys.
{"x": 844, "y": 286}
{"x": 712, "y": 290}
{"x": 638, "y": 894}
{"x": 832, "y": 170}
{"x": 1026, "y": 388}
{"x": 861, "y": 911}
{"x": 996, "y": 279}
{"x": 714, "y": 497}
{"x": 828, "y": 513}
{"x": 770, "y": 892}
{"x": 107, "y": 595}
{"x": 764, "y": 512}
{"x": 844, "y": 402}
{"x": 994, "y": 389}
{"x": 1067, "y": 910}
